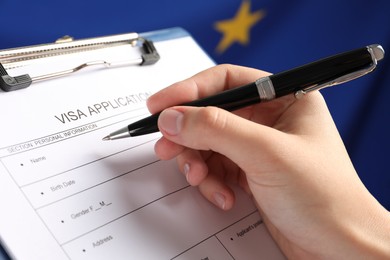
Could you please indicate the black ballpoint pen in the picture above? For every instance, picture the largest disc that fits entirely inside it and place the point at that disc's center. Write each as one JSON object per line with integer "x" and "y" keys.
{"x": 323, "y": 73}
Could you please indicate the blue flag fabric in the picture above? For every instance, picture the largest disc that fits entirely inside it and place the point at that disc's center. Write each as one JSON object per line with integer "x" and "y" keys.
{"x": 273, "y": 35}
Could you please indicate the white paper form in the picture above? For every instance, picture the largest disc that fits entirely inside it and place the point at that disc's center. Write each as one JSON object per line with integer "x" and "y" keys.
{"x": 66, "y": 194}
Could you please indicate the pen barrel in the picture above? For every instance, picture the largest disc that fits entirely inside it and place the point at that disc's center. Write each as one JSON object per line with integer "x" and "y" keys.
{"x": 321, "y": 71}
{"x": 144, "y": 126}
{"x": 231, "y": 99}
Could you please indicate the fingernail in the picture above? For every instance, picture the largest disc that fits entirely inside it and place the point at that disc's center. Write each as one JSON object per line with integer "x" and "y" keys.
{"x": 219, "y": 200}
{"x": 171, "y": 121}
{"x": 186, "y": 170}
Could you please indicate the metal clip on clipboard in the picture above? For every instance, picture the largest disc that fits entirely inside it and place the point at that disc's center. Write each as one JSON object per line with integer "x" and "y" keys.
{"x": 66, "y": 45}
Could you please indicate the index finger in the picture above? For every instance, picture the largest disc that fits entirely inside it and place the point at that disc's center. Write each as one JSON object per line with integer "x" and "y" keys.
{"x": 203, "y": 84}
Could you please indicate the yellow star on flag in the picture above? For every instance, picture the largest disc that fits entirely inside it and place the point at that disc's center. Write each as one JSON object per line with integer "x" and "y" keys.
{"x": 237, "y": 29}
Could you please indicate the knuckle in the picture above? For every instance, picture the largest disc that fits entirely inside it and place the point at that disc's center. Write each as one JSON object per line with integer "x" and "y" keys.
{"x": 214, "y": 120}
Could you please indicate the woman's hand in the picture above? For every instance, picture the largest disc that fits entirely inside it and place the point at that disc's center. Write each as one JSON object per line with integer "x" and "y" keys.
{"x": 286, "y": 153}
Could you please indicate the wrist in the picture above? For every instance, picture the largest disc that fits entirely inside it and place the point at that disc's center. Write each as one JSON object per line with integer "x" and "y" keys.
{"x": 373, "y": 236}
{"x": 366, "y": 236}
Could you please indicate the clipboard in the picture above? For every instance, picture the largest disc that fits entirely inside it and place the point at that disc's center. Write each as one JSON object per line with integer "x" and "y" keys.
{"x": 65, "y": 194}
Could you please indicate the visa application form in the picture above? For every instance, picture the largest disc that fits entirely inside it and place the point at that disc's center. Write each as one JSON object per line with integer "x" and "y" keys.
{"x": 66, "y": 194}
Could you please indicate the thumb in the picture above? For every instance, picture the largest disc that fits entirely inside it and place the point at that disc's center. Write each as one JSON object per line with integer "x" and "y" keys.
{"x": 211, "y": 128}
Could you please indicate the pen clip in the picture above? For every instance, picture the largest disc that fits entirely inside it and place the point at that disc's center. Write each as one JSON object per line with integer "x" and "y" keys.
{"x": 377, "y": 53}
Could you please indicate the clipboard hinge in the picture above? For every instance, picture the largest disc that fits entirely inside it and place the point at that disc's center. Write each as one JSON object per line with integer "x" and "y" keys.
{"x": 151, "y": 55}
{"x": 8, "y": 83}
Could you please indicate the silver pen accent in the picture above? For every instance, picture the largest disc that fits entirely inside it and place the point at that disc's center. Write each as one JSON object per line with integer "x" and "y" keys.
{"x": 265, "y": 88}
{"x": 119, "y": 134}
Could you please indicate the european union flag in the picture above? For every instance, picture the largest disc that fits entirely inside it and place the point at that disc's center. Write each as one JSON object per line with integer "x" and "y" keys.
{"x": 273, "y": 35}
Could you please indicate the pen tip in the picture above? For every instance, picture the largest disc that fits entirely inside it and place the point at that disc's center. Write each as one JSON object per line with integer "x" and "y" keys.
{"x": 107, "y": 138}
